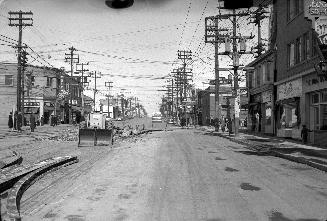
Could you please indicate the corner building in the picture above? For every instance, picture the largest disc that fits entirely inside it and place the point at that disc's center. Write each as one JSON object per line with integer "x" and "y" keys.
{"x": 301, "y": 94}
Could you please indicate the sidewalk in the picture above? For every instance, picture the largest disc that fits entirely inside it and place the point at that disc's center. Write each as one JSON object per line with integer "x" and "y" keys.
{"x": 292, "y": 150}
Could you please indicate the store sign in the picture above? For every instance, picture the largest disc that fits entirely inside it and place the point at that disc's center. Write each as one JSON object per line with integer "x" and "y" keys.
{"x": 266, "y": 97}
{"x": 31, "y": 104}
{"x": 289, "y": 89}
{"x": 315, "y": 80}
{"x": 315, "y": 9}
{"x": 321, "y": 29}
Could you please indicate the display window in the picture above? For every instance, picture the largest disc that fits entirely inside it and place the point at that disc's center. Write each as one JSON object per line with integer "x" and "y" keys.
{"x": 289, "y": 114}
{"x": 319, "y": 109}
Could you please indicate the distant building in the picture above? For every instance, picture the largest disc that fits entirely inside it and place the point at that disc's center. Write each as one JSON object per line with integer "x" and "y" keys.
{"x": 206, "y": 104}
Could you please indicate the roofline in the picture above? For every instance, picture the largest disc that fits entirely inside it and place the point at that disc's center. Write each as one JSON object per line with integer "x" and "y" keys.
{"x": 260, "y": 58}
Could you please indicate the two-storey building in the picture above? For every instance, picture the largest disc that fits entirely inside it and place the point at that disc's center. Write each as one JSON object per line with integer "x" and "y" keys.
{"x": 42, "y": 87}
{"x": 260, "y": 82}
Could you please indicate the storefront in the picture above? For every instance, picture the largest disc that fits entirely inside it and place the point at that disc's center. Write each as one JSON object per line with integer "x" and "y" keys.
{"x": 288, "y": 108}
{"x": 261, "y": 110}
{"x": 255, "y": 113}
{"x": 315, "y": 89}
{"x": 267, "y": 112}
{"x": 31, "y": 107}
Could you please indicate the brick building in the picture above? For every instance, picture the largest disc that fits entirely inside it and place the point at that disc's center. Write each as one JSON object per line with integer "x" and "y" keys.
{"x": 206, "y": 104}
{"x": 260, "y": 82}
{"x": 298, "y": 41}
{"x": 42, "y": 85}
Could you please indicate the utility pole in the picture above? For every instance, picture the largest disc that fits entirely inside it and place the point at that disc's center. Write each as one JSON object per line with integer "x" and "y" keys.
{"x": 184, "y": 56}
{"x": 23, "y": 68}
{"x": 235, "y": 54}
{"x": 181, "y": 76}
{"x": 108, "y": 84}
{"x": 82, "y": 70}
{"x": 95, "y": 75}
{"x": 20, "y": 19}
{"x": 122, "y": 102}
{"x": 258, "y": 15}
{"x": 71, "y": 58}
{"x": 212, "y": 35}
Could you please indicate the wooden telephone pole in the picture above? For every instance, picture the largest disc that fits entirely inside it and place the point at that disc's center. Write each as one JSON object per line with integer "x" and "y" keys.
{"x": 20, "y": 19}
{"x": 235, "y": 54}
{"x": 84, "y": 81}
{"x": 95, "y": 75}
{"x": 72, "y": 59}
{"x": 108, "y": 84}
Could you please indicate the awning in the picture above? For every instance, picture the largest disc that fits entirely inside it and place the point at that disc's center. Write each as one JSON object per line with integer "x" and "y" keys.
{"x": 76, "y": 108}
{"x": 48, "y": 108}
{"x": 287, "y": 101}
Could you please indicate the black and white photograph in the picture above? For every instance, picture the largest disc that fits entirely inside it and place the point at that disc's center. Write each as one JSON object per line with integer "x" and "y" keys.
{"x": 163, "y": 110}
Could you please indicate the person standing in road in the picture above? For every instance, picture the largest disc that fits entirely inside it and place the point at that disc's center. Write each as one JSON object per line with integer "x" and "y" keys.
{"x": 10, "y": 122}
{"x": 32, "y": 122}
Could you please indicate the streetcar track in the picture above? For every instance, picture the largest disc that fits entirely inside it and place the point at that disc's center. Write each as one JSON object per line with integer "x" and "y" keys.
{"x": 36, "y": 200}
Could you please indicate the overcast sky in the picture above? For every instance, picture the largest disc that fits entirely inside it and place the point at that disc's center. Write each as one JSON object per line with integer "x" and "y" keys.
{"x": 131, "y": 47}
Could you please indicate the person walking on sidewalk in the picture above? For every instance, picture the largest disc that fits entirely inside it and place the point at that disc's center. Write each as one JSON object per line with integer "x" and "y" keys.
{"x": 32, "y": 122}
{"x": 304, "y": 134}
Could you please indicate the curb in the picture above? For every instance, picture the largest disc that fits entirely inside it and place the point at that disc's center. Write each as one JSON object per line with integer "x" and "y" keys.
{"x": 17, "y": 160}
{"x": 16, "y": 193}
{"x": 275, "y": 153}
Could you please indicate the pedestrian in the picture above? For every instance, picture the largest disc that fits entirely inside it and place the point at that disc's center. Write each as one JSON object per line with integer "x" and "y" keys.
{"x": 10, "y": 122}
{"x": 42, "y": 120}
{"x": 32, "y": 122}
{"x": 304, "y": 134}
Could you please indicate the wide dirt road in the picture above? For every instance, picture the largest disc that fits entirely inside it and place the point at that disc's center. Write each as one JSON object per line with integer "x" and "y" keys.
{"x": 186, "y": 175}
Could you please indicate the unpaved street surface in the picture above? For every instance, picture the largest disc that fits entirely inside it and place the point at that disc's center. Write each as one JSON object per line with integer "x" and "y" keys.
{"x": 178, "y": 175}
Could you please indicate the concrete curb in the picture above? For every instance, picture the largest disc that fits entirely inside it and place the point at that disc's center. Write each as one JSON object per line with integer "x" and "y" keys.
{"x": 275, "y": 153}
{"x": 17, "y": 159}
{"x": 16, "y": 193}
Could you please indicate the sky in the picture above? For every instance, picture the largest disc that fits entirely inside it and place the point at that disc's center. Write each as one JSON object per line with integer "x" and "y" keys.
{"x": 135, "y": 48}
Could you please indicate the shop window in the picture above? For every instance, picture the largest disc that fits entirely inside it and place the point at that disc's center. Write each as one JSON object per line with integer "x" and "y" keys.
{"x": 268, "y": 115}
{"x": 9, "y": 80}
{"x": 323, "y": 109}
{"x": 315, "y": 98}
{"x": 324, "y": 96}
{"x": 290, "y": 115}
